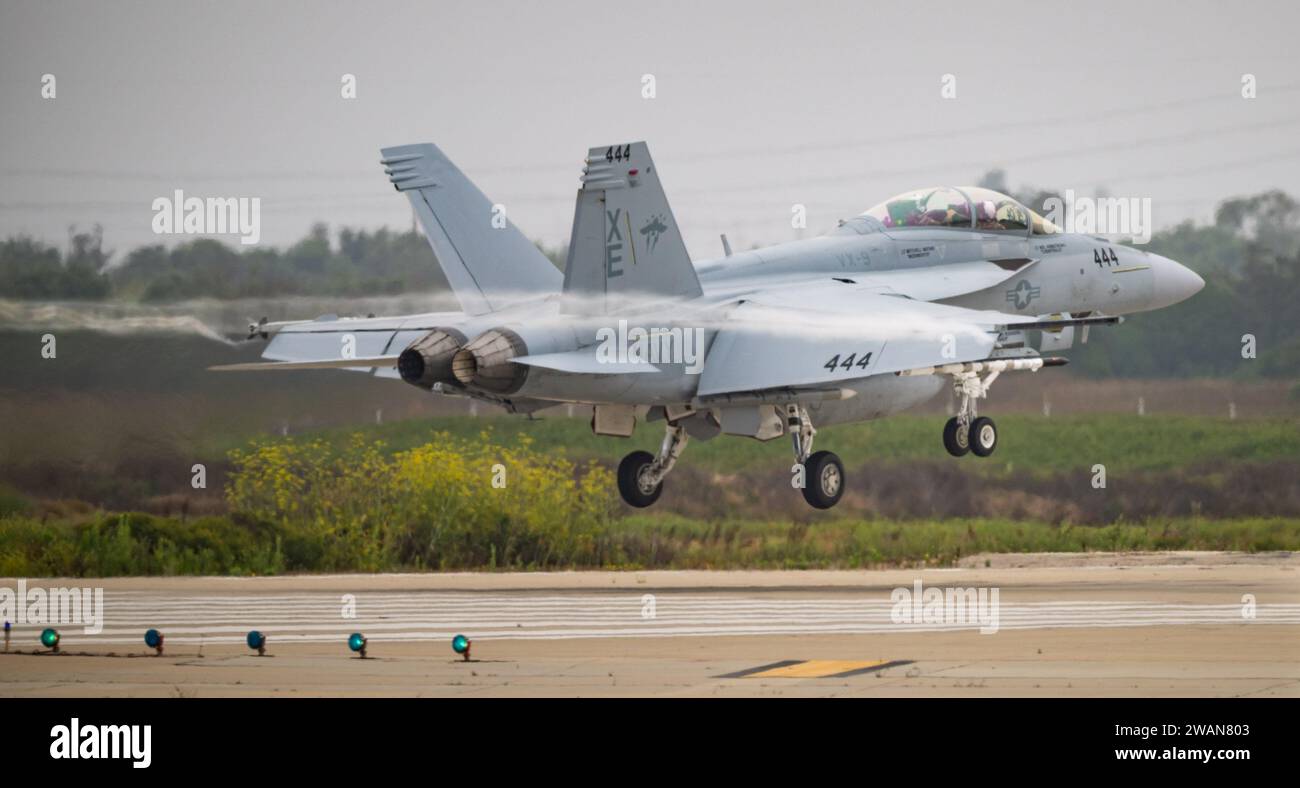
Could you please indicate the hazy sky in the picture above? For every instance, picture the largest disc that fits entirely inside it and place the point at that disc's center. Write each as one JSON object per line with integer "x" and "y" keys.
{"x": 759, "y": 105}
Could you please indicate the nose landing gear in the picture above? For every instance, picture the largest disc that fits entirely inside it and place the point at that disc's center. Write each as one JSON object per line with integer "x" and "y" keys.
{"x": 983, "y": 436}
{"x": 967, "y": 432}
{"x": 956, "y": 437}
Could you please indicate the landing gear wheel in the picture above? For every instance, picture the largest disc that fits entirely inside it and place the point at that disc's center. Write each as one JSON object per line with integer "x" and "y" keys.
{"x": 955, "y": 439}
{"x": 632, "y": 483}
{"x": 983, "y": 436}
{"x": 823, "y": 480}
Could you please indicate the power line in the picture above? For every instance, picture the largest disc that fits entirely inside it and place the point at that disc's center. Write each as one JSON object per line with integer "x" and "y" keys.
{"x": 1071, "y": 152}
{"x": 948, "y": 134}
{"x": 359, "y": 199}
{"x": 1089, "y": 118}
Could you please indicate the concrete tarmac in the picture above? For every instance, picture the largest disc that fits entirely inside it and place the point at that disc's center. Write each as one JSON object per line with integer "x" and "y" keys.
{"x": 1167, "y": 624}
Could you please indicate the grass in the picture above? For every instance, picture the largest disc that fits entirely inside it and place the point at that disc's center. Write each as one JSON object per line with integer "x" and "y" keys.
{"x": 682, "y": 543}
{"x": 137, "y": 544}
{"x": 1027, "y": 444}
{"x": 1177, "y": 483}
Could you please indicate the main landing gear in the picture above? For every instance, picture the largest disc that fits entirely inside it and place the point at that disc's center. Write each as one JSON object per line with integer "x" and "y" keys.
{"x": 823, "y": 473}
{"x": 967, "y": 432}
{"x": 641, "y": 474}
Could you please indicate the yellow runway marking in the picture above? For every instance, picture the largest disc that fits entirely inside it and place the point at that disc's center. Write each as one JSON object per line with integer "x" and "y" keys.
{"x": 816, "y": 669}
{"x": 813, "y": 669}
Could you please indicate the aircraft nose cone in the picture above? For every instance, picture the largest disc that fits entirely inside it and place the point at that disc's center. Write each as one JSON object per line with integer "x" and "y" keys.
{"x": 1173, "y": 282}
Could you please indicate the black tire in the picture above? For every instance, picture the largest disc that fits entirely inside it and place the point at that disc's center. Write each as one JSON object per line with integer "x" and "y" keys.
{"x": 983, "y": 436}
{"x": 954, "y": 440}
{"x": 823, "y": 480}
{"x": 629, "y": 486}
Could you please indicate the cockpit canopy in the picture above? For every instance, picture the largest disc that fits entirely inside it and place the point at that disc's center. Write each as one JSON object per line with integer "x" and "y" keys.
{"x": 967, "y": 207}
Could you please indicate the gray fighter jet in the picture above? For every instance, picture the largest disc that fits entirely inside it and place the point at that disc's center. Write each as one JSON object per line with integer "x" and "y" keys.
{"x": 937, "y": 286}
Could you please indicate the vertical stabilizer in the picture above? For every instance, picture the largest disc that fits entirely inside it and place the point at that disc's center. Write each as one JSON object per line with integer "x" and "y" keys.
{"x": 626, "y": 245}
{"x": 488, "y": 261}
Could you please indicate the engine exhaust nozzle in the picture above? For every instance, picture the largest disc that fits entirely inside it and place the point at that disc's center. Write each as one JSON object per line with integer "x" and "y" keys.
{"x": 485, "y": 362}
{"x": 428, "y": 360}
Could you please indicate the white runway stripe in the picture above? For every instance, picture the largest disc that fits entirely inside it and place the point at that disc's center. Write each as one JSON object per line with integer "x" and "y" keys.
{"x": 416, "y": 616}
{"x": 1006, "y": 614}
{"x": 331, "y": 604}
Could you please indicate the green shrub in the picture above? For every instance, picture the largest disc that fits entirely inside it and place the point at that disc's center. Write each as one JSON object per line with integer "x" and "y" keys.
{"x": 354, "y": 506}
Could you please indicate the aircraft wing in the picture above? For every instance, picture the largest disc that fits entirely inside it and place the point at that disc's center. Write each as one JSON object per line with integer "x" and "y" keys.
{"x": 832, "y": 333}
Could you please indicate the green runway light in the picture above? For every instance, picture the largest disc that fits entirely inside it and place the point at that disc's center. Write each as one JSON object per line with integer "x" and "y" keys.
{"x": 257, "y": 641}
{"x": 50, "y": 639}
{"x": 357, "y": 642}
{"x": 460, "y": 644}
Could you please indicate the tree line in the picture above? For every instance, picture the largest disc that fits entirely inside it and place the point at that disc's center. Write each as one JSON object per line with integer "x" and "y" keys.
{"x": 360, "y": 262}
{"x": 1249, "y": 256}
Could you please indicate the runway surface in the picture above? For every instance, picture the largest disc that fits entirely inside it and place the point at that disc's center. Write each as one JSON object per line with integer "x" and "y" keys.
{"x": 1176, "y": 624}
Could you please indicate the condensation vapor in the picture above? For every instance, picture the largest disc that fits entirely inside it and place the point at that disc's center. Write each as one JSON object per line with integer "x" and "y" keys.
{"x": 218, "y": 320}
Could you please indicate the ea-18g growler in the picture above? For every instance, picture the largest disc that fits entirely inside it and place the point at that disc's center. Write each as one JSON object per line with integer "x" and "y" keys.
{"x": 939, "y": 286}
